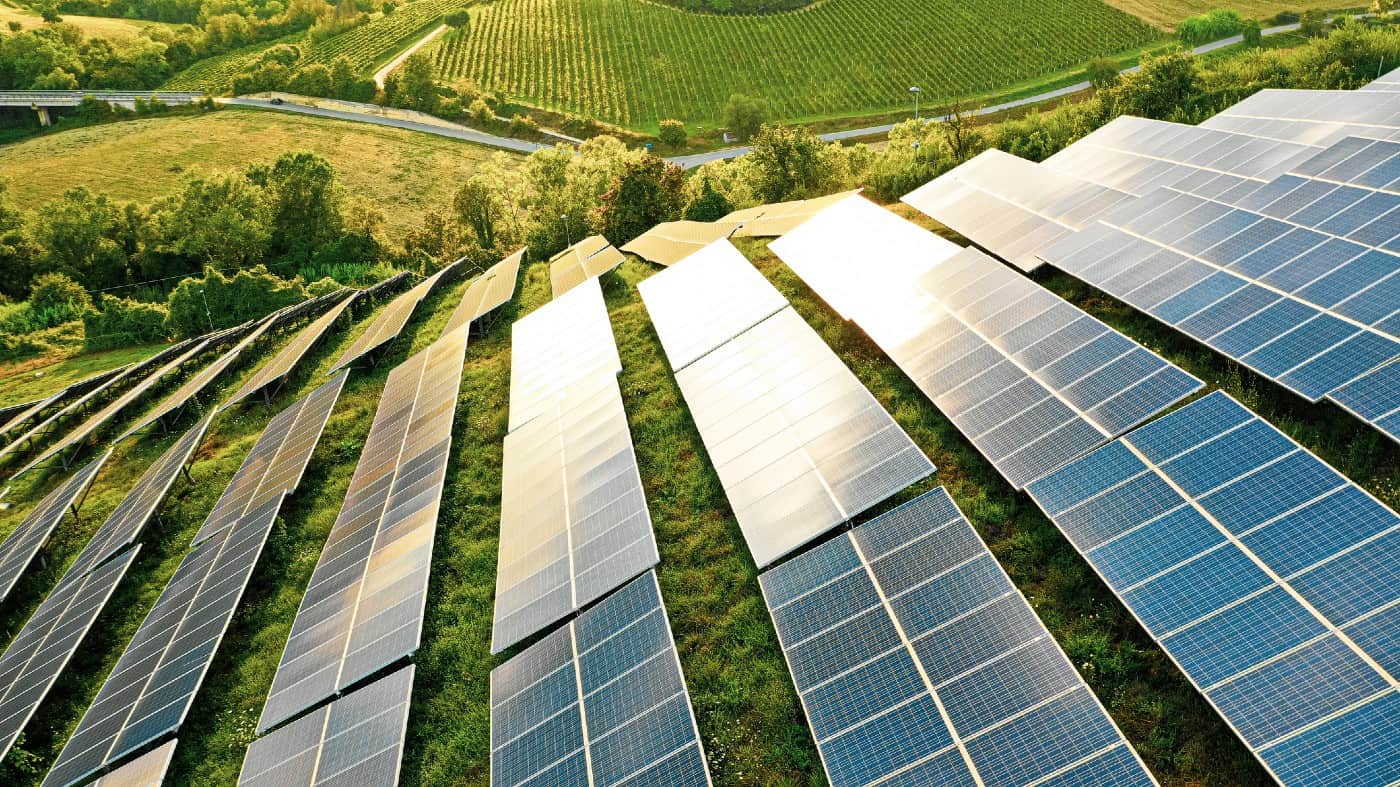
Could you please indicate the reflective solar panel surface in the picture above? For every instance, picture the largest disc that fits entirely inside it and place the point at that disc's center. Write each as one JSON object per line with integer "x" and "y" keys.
{"x": 779, "y": 218}
{"x": 1269, "y": 578}
{"x": 1390, "y": 82}
{"x": 10, "y": 415}
{"x": 1313, "y": 117}
{"x": 1010, "y": 206}
{"x": 147, "y": 770}
{"x": 799, "y": 444}
{"x": 1031, "y": 380}
{"x": 363, "y": 609}
{"x": 918, "y": 662}
{"x": 707, "y": 299}
{"x": 289, "y": 356}
{"x": 149, "y": 692}
{"x": 574, "y": 519}
{"x": 20, "y": 546}
{"x": 670, "y": 242}
{"x": 493, "y": 288}
{"x": 587, "y": 259}
{"x": 566, "y": 340}
{"x": 599, "y": 702}
{"x": 387, "y": 285}
{"x": 16, "y": 415}
{"x": 356, "y": 740}
{"x": 389, "y": 323}
{"x": 129, "y": 518}
{"x": 41, "y": 650}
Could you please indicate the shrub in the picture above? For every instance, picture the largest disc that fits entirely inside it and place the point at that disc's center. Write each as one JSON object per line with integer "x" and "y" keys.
{"x": 55, "y": 291}
{"x": 1213, "y": 26}
{"x": 459, "y": 19}
{"x": 197, "y": 306}
{"x": 745, "y": 115}
{"x": 672, "y": 133}
{"x": 120, "y": 322}
{"x": 1102, "y": 72}
{"x": 522, "y": 124}
{"x": 480, "y": 112}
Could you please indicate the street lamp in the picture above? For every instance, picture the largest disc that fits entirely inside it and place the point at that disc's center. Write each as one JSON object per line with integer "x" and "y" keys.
{"x": 568, "y": 235}
{"x": 916, "y": 93}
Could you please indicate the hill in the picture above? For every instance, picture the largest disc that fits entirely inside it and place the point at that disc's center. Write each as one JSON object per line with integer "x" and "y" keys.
{"x": 401, "y": 172}
{"x": 633, "y": 63}
{"x": 105, "y": 27}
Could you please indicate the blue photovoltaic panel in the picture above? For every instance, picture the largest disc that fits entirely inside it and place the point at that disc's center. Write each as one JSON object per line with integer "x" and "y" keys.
{"x": 1031, "y": 380}
{"x": 598, "y": 702}
{"x": 918, "y": 662}
{"x": 20, "y": 546}
{"x": 1268, "y": 577}
{"x": 1374, "y": 397}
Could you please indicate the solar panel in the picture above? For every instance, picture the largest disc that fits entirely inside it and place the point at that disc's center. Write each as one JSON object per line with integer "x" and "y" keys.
{"x": 1029, "y": 379}
{"x": 799, "y": 444}
{"x": 386, "y": 285}
{"x": 1268, "y": 577}
{"x": 390, "y": 322}
{"x": 20, "y": 547}
{"x": 706, "y": 300}
{"x": 918, "y": 662}
{"x": 129, "y": 518}
{"x": 670, "y": 242}
{"x": 780, "y": 218}
{"x": 1374, "y": 398}
{"x": 1313, "y": 117}
{"x": 492, "y": 289}
{"x": 558, "y": 344}
{"x": 10, "y": 411}
{"x": 358, "y": 739}
{"x": 148, "y": 770}
{"x": 587, "y": 259}
{"x": 149, "y": 692}
{"x": 1388, "y": 82}
{"x": 281, "y": 366}
{"x": 363, "y": 609}
{"x": 16, "y": 415}
{"x": 600, "y": 701}
{"x": 574, "y": 519}
{"x": 41, "y": 650}
{"x": 1010, "y": 206}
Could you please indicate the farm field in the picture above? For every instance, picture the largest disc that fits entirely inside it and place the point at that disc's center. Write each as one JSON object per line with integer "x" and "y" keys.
{"x": 105, "y": 27}
{"x": 368, "y": 46}
{"x": 1167, "y": 13}
{"x": 634, "y": 63}
{"x": 400, "y": 172}
{"x": 748, "y": 712}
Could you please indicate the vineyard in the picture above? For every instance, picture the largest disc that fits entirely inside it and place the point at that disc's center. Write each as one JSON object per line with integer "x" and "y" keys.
{"x": 367, "y": 46}
{"x": 632, "y": 62}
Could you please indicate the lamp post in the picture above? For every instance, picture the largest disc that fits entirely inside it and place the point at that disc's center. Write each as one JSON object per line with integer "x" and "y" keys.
{"x": 916, "y": 93}
{"x": 568, "y": 234}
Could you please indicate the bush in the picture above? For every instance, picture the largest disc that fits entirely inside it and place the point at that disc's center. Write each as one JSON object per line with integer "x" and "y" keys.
{"x": 1102, "y": 72}
{"x": 745, "y": 115}
{"x": 523, "y": 124}
{"x": 458, "y": 19}
{"x": 480, "y": 112}
{"x": 56, "y": 291}
{"x": 121, "y": 322}
{"x": 197, "y": 306}
{"x": 1253, "y": 33}
{"x": 1218, "y": 24}
{"x": 672, "y": 133}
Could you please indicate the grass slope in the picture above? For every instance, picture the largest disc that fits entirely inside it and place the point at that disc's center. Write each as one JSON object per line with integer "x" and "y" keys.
{"x": 403, "y": 173}
{"x": 94, "y": 26}
{"x": 748, "y": 712}
{"x": 633, "y": 62}
{"x": 35, "y": 378}
{"x": 1167, "y": 13}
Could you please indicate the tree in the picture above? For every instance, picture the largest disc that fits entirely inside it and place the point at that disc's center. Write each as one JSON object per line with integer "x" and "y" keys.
{"x": 1102, "y": 72}
{"x": 1312, "y": 24}
{"x": 708, "y": 205}
{"x": 54, "y": 291}
{"x": 460, "y": 20}
{"x": 347, "y": 84}
{"x": 415, "y": 87}
{"x": 48, "y": 9}
{"x": 1252, "y": 32}
{"x": 745, "y": 115}
{"x": 57, "y": 79}
{"x": 647, "y": 192}
{"x": 672, "y": 133}
{"x": 304, "y": 201}
{"x": 17, "y": 253}
{"x": 479, "y": 207}
{"x": 788, "y": 163}
{"x": 214, "y": 301}
{"x": 1382, "y": 7}
{"x": 221, "y": 221}
{"x": 75, "y": 233}
{"x": 961, "y": 134}
{"x": 1162, "y": 88}
{"x": 312, "y": 80}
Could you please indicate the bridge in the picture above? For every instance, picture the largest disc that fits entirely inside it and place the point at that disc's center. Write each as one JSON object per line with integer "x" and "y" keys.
{"x": 44, "y": 101}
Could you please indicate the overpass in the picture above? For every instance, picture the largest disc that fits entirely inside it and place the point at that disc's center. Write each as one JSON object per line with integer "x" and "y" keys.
{"x": 44, "y": 101}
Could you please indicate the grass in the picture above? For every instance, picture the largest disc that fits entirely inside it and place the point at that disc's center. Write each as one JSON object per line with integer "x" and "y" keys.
{"x": 25, "y": 381}
{"x": 748, "y": 712}
{"x": 1167, "y": 13}
{"x": 633, "y": 63}
{"x": 402, "y": 173}
{"x": 93, "y": 26}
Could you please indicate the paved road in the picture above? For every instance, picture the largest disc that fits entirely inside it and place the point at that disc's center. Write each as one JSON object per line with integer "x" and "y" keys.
{"x": 383, "y": 73}
{"x": 428, "y": 125}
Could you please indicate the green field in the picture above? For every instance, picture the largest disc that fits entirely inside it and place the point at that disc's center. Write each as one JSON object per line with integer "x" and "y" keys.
{"x": 633, "y": 63}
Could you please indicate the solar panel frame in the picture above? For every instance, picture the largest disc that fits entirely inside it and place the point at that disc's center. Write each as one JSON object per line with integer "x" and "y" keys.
{"x": 779, "y": 218}
{"x": 558, "y": 344}
{"x": 16, "y": 415}
{"x": 150, "y": 690}
{"x": 285, "y": 362}
{"x": 670, "y": 242}
{"x": 1272, "y": 573}
{"x": 20, "y": 547}
{"x": 328, "y": 745}
{"x": 585, "y": 673}
{"x": 1317, "y": 117}
{"x": 588, "y": 259}
{"x": 390, "y": 322}
{"x": 916, "y": 658}
{"x": 381, "y": 542}
{"x": 492, "y": 289}
{"x": 144, "y": 771}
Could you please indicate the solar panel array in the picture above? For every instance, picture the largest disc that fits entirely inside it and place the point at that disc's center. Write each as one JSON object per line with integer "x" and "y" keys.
{"x": 387, "y": 326}
{"x": 148, "y": 770}
{"x": 918, "y": 662}
{"x": 149, "y": 692}
{"x": 1010, "y": 206}
{"x": 9, "y": 413}
{"x": 799, "y": 444}
{"x": 1388, "y": 82}
{"x": 1029, "y": 379}
{"x": 600, "y": 701}
{"x": 19, "y": 548}
{"x": 574, "y": 518}
{"x": 363, "y": 609}
{"x": 281, "y": 366}
{"x": 358, "y": 739}
{"x": 41, "y": 650}
{"x": 1313, "y": 117}
{"x": 386, "y": 285}
{"x": 17, "y": 415}
{"x": 1268, "y": 577}
{"x": 707, "y": 299}
{"x": 555, "y": 346}
{"x": 492, "y": 289}
{"x": 779, "y": 218}
{"x": 670, "y": 242}
{"x": 588, "y": 259}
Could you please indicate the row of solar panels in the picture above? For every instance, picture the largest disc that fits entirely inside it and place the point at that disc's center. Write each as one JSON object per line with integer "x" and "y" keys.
{"x": 147, "y": 695}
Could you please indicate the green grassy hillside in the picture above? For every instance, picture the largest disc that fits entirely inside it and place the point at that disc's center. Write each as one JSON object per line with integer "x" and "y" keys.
{"x": 632, "y": 62}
